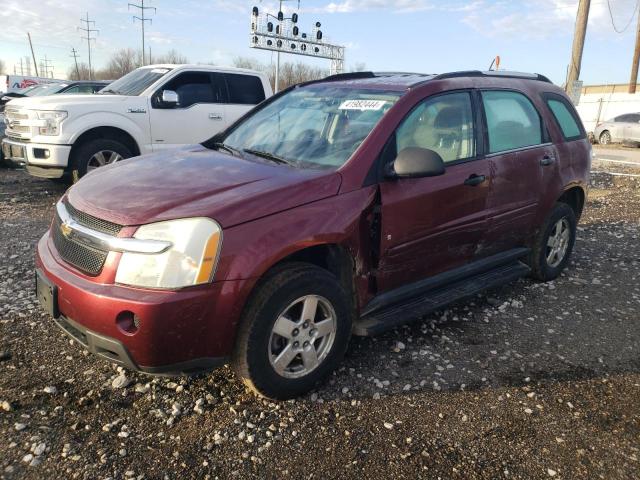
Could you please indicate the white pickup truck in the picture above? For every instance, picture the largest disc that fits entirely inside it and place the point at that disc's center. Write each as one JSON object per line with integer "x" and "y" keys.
{"x": 152, "y": 108}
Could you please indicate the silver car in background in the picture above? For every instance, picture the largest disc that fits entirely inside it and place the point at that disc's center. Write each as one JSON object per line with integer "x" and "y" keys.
{"x": 623, "y": 128}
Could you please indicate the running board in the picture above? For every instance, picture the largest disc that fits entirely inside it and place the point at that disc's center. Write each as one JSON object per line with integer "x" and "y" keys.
{"x": 421, "y": 305}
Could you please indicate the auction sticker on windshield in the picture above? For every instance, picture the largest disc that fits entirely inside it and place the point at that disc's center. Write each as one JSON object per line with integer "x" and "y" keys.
{"x": 362, "y": 104}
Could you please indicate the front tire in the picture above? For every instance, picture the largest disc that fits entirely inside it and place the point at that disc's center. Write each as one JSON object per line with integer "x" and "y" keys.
{"x": 553, "y": 244}
{"x": 97, "y": 153}
{"x": 605, "y": 138}
{"x": 294, "y": 332}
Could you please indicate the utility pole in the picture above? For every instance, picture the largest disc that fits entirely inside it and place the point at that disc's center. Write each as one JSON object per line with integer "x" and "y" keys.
{"x": 21, "y": 67}
{"x": 578, "y": 44}
{"x": 636, "y": 57}
{"x": 47, "y": 67}
{"x": 35, "y": 64}
{"x": 142, "y": 19}
{"x": 88, "y": 31}
{"x": 74, "y": 54}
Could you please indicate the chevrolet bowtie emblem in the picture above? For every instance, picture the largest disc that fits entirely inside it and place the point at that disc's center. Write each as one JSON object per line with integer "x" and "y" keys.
{"x": 65, "y": 229}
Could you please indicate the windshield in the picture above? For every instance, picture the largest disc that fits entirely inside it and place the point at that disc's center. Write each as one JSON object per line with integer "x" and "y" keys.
{"x": 319, "y": 125}
{"x": 48, "y": 89}
{"x": 136, "y": 82}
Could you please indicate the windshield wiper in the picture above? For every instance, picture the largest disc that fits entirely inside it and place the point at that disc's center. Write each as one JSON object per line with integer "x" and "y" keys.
{"x": 267, "y": 155}
{"x": 223, "y": 146}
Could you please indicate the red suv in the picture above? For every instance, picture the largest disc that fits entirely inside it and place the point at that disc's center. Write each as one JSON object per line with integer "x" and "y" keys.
{"x": 343, "y": 206}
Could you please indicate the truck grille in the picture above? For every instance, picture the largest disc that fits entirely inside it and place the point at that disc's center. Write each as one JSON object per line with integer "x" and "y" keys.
{"x": 86, "y": 259}
{"x": 13, "y": 117}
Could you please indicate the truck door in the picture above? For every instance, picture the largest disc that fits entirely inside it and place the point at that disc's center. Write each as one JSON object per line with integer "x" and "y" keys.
{"x": 199, "y": 114}
{"x": 245, "y": 92}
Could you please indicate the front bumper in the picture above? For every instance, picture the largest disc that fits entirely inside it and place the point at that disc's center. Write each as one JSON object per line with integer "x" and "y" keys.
{"x": 116, "y": 352}
{"x": 42, "y": 159}
{"x": 178, "y": 332}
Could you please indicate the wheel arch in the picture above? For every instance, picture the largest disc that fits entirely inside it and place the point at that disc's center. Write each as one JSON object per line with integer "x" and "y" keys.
{"x": 333, "y": 257}
{"x": 110, "y": 133}
{"x": 575, "y": 197}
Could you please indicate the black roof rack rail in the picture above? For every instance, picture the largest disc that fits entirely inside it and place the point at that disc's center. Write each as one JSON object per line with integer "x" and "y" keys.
{"x": 493, "y": 73}
{"x": 348, "y": 76}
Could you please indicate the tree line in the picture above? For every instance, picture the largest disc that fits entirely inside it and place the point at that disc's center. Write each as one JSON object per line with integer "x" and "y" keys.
{"x": 125, "y": 60}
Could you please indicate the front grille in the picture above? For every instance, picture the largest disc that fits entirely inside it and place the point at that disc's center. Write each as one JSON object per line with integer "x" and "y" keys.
{"x": 92, "y": 222}
{"x": 16, "y": 131}
{"x": 86, "y": 259}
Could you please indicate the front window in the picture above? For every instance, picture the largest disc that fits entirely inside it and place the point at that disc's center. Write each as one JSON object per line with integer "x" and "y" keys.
{"x": 136, "y": 82}
{"x": 316, "y": 126}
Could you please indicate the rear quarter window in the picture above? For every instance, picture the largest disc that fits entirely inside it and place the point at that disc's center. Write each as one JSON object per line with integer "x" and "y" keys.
{"x": 565, "y": 118}
{"x": 244, "y": 89}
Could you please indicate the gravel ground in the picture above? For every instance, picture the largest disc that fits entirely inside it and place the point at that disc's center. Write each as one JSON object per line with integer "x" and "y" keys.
{"x": 528, "y": 381}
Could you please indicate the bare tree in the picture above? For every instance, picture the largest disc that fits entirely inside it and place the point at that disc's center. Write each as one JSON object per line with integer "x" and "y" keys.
{"x": 82, "y": 73}
{"x": 290, "y": 73}
{"x": 121, "y": 62}
{"x": 172, "y": 56}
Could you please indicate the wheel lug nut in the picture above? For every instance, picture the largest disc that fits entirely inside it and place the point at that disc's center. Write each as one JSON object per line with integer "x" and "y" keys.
{"x": 305, "y": 324}
{"x": 295, "y": 332}
{"x": 306, "y": 344}
{"x": 313, "y": 332}
{"x": 296, "y": 344}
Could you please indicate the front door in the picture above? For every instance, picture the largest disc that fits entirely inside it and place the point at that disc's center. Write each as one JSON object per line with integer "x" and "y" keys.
{"x": 199, "y": 114}
{"x": 433, "y": 224}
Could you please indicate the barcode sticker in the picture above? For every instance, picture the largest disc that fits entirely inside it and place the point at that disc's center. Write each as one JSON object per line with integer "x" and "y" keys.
{"x": 362, "y": 105}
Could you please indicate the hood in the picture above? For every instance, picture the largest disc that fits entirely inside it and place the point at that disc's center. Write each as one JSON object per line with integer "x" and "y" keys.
{"x": 62, "y": 101}
{"x": 197, "y": 182}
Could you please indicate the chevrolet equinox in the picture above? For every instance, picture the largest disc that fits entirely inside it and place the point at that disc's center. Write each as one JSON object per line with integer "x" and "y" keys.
{"x": 338, "y": 207}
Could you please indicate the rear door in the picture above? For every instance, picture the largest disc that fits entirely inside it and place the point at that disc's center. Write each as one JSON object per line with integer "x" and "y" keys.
{"x": 518, "y": 149}
{"x": 244, "y": 92}
{"x": 433, "y": 224}
{"x": 199, "y": 114}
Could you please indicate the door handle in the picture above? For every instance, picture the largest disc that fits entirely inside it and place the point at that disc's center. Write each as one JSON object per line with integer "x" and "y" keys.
{"x": 215, "y": 116}
{"x": 547, "y": 160}
{"x": 475, "y": 180}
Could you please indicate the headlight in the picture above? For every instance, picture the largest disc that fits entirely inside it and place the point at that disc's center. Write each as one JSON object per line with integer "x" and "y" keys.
{"x": 52, "y": 120}
{"x": 191, "y": 260}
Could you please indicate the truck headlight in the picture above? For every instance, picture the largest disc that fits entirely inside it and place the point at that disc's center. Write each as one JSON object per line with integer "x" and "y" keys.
{"x": 191, "y": 260}
{"x": 51, "y": 121}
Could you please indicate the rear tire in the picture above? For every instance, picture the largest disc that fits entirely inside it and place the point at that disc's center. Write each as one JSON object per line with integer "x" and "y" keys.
{"x": 96, "y": 153}
{"x": 553, "y": 244}
{"x": 294, "y": 331}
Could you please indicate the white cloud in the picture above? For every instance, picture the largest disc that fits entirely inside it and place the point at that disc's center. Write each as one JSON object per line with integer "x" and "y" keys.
{"x": 537, "y": 19}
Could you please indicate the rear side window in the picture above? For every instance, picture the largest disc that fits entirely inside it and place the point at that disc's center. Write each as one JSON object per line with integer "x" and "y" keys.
{"x": 244, "y": 89}
{"x": 512, "y": 121}
{"x": 568, "y": 124}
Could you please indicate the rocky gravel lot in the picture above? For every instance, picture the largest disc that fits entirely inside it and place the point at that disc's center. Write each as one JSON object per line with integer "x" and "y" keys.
{"x": 529, "y": 381}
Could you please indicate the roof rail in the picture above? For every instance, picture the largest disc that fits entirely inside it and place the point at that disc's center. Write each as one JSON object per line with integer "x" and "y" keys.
{"x": 493, "y": 73}
{"x": 348, "y": 76}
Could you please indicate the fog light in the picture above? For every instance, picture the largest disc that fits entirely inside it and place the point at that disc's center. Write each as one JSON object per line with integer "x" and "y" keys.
{"x": 128, "y": 322}
{"x": 41, "y": 152}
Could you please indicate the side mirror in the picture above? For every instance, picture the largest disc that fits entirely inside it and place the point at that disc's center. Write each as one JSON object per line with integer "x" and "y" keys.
{"x": 416, "y": 162}
{"x": 170, "y": 98}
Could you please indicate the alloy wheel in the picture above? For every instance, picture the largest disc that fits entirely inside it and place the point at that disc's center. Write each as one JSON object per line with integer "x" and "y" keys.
{"x": 302, "y": 336}
{"x": 102, "y": 158}
{"x": 558, "y": 242}
{"x": 605, "y": 138}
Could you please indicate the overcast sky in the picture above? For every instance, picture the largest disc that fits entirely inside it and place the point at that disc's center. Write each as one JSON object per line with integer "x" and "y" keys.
{"x": 404, "y": 35}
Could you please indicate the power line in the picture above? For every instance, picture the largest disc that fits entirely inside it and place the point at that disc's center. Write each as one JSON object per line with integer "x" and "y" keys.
{"x": 88, "y": 31}
{"x": 142, "y": 19}
{"x": 613, "y": 23}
